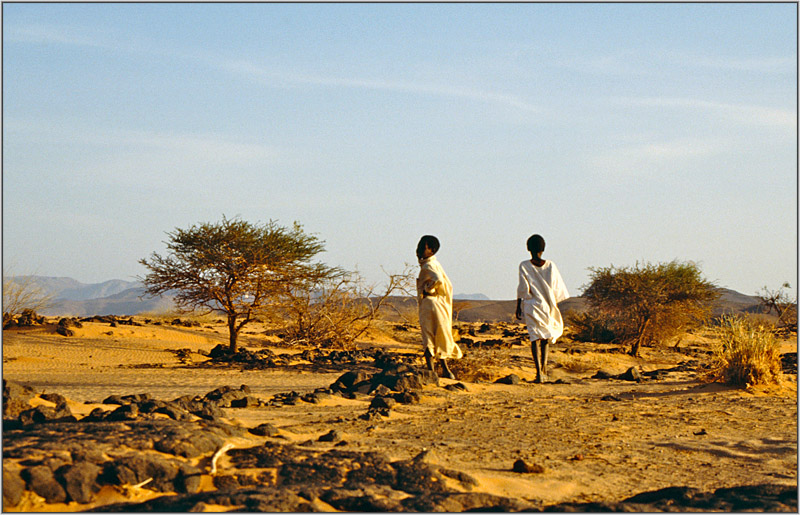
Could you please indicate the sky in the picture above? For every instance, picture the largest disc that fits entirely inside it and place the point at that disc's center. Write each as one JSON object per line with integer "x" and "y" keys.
{"x": 622, "y": 133}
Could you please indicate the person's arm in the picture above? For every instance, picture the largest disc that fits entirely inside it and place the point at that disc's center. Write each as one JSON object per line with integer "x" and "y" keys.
{"x": 522, "y": 290}
{"x": 428, "y": 281}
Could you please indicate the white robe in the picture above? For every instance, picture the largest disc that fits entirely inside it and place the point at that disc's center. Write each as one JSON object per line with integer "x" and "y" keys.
{"x": 436, "y": 310}
{"x": 541, "y": 289}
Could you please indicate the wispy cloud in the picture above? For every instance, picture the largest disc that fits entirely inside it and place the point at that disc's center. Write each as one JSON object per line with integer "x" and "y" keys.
{"x": 280, "y": 78}
{"x": 741, "y": 113}
{"x": 651, "y": 158}
{"x": 764, "y": 64}
{"x": 49, "y": 34}
{"x": 157, "y": 156}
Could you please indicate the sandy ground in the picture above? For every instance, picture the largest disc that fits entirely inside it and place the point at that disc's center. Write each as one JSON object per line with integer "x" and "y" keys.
{"x": 597, "y": 440}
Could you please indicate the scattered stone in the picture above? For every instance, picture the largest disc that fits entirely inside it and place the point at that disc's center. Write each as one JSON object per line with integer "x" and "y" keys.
{"x": 509, "y": 379}
{"x": 13, "y": 487}
{"x": 522, "y": 467}
{"x": 265, "y": 429}
{"x": 40, "y": 480}
{"x": 331, "y": 436}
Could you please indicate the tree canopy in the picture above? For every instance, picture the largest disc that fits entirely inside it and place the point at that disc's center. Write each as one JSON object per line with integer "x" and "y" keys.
{"x": 235, "y": 267}
{"x": 651, "y": 301}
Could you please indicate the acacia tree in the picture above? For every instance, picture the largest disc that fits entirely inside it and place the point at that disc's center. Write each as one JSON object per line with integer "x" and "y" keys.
{"x": 651, "y": 302}
{"x": 234, "y": 267}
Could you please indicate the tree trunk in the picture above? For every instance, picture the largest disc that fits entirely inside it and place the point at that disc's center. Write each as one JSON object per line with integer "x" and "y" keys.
{"x": 232, "y": 333}
{"x": 637, "y": 343}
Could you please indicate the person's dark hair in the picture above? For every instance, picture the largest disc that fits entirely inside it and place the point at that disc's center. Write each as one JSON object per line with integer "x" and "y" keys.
{"x": 432, "y": 243}
{"x": 535, "y": 244}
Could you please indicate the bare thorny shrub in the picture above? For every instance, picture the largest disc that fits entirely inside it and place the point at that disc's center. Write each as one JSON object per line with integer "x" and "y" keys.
{"x": 746, "y": 353}
{"x": 782, "y": 304}
{"x": 22, "y": 296}
{"x": 335, "y": 312}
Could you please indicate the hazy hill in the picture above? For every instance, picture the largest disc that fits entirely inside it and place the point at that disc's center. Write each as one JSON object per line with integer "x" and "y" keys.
{"x": 117, "y": 297}
{"x": 67, "y": 288}
{"x": 128, "y": 302}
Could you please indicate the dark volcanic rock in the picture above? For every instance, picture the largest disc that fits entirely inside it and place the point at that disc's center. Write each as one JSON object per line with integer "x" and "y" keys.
{"x": 80, "y": 480}
{"x": 46, "y": 414}
{"x": 40, "y": 480}
{"x": 509, "y": 379}
{"x": 767, "y": 498}
{"x": 265, "y": 429}
{"x": 13, "y": 487}
{"x": 16, "y": 398}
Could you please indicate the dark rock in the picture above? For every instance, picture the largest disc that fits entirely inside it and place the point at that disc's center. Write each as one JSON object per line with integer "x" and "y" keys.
{"x": 46, "y": 414}
{"x": 124, "y": 412}
{"x": 456, "y": 387}
{"x": 509, "y": 379}
{"x": 64, "y": 331}
{"x": 188, "y": 480}
{"x": 16, "y": 398}
{"x": 407, "y": 397}
{"x": 226, "y": 482}
{"x": 55, "y": 398}
{"x": 348, "y": 379}
{"x": 610, "y": 397}
{"x": 527, "y": 468}
{"x": 80, "y": 480}
{"x": 383, "y": 402}
{"x": 140, "y": 467}
{"x": 13, "y": 486}
{"x": 249, "y": 402}
{"x": 602, "y": 374}
{"x": 40, "y": 480}
{"x": 265, "y": 429}
{"x": 331, "y": 436}
{"x": 463, "y": 502}
{"x": 632, "y": 374}
{"x": 114, "y": 399}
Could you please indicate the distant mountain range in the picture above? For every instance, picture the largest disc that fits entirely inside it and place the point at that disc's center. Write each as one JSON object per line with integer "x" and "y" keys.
{"x": 118, "y": 297}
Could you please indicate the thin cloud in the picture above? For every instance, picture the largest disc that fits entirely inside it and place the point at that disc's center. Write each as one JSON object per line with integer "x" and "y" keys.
{"x": 743, "y": 113}
{"x": 652, "y": 157}
{"x": 279, "y": 79}
{"x": 46, "y": 34}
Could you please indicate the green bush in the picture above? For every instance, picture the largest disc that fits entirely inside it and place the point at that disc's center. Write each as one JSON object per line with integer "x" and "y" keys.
{"x": 746, "y": 354}
{"x": 651, "y": 303}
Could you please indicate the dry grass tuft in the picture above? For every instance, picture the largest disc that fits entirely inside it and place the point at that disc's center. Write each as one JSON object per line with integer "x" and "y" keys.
{"x": 746, "y": 353}
{"x": 477, "y": 366}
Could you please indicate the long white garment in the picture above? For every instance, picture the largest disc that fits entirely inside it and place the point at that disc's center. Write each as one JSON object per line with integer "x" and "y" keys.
{"x": 436, "y": 310}
{"x": 541, "y": 288}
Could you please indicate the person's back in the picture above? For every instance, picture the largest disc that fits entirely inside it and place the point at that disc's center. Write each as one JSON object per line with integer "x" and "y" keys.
{"x": 539, "y": 291}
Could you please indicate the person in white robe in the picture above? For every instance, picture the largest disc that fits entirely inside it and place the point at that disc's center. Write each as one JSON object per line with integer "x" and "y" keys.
{"x": 435, "y": 299}
{"x": 540, "y": 290}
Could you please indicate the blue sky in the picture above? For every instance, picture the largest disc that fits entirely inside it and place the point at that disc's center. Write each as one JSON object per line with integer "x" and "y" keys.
{"x": 620, "y": 132}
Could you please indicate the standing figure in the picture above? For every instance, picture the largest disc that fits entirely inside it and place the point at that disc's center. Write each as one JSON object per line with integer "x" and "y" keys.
{"x": 538, "y": 294}
{"x": 435, "y": 299}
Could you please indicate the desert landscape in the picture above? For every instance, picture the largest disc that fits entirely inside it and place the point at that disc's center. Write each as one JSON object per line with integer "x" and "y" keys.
{"x": 146, "y": 414}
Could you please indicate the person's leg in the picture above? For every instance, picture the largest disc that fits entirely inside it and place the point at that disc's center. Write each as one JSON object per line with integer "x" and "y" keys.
{"x": 429, "y": 360}
{"x": 545, "y": 344}
{"x": 537, "y": 360}
{"x": 446, "y": 372}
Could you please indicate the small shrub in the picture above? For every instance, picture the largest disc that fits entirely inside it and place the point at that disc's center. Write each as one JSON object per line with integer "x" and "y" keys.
{"x": 747, "y": 353}
{"x": 590, "y": 326}
{"x": 651, "y": 303}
